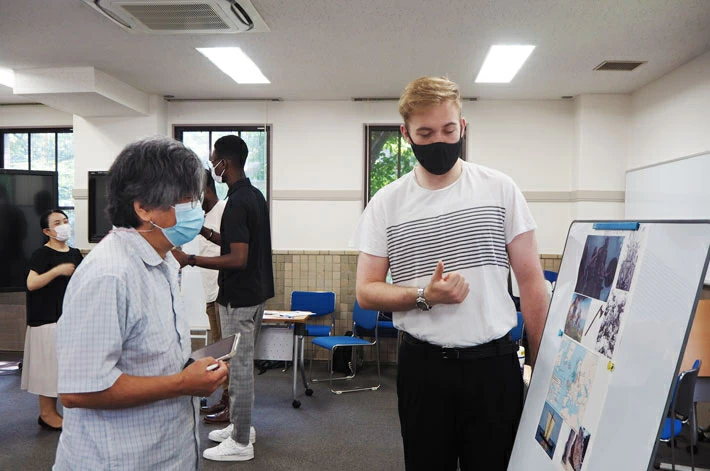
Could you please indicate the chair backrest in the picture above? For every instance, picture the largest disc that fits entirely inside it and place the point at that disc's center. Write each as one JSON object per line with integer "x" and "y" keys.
{"x": 320, "y": 303}
{"x": 365, "y": 318}
{"x": 517, "y": 332}
{"x": 683, "y": 399}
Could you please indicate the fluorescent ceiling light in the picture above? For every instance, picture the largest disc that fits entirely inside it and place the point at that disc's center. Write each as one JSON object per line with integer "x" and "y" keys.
{"x": 7, "y": 77}
{"x": 233, "y": 62}
{"x": 502, "y": 63}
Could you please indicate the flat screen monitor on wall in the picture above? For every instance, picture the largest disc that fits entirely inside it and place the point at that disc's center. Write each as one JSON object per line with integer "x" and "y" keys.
{"x": 99, "y": 223}
{"x": 24, "y": 196}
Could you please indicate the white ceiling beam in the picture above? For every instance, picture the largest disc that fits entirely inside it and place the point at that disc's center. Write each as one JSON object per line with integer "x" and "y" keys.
{"x": 83, "y": 91}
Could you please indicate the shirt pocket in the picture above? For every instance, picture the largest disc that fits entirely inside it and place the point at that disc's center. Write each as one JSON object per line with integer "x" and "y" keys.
{"x": 151, "y": 348}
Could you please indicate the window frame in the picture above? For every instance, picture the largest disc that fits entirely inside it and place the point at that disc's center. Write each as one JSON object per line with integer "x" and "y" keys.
{"x": 179, "y": 130}
{"x": 383, "y": 127}
{"x": 56, "y": 130}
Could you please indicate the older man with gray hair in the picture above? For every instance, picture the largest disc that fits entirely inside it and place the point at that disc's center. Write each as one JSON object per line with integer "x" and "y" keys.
{"x": 123, "y": 342}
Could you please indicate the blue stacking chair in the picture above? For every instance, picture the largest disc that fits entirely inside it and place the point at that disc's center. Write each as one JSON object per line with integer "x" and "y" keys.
{"x": 385, "y": 329}
{"x": 363, "y": 320}
{"x": 550, "y": 276}
{"x": 682, "y": 411}
{"x": 386, "y": 326}
{"x": 320, "y": 303}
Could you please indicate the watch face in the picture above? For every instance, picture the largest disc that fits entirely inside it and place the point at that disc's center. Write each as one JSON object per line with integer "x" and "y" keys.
{"x": 422, "y": 305}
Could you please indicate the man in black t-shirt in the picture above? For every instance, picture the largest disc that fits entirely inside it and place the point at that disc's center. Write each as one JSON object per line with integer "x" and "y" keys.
{"x": 246, "y": 281}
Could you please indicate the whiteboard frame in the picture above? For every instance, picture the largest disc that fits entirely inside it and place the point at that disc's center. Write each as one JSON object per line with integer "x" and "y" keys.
{"x": 522, "y": 433}
{"x": 660, "y": 164}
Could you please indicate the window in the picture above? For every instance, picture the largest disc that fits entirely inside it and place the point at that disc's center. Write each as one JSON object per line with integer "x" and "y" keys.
{"x": 43, "y": 149}
{"x": 388, "y": 157}
{"x": 258, "y": 139}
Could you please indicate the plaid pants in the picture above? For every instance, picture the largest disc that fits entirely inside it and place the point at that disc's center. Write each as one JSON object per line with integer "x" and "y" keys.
{"x": 247, "y": 322}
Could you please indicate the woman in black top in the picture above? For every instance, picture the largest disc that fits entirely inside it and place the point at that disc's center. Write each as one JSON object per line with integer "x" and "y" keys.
{"x": 51, "y": 267}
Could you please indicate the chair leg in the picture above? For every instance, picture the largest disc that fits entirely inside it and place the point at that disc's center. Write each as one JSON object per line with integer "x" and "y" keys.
{"x": 377, "y": 360}
{"x": 330, "y": 378}
{"x": 693, "y": 436}
{"x": 353, "y": 361}
{"x": 673, "y": 442}
{"x": 331, "y": 353}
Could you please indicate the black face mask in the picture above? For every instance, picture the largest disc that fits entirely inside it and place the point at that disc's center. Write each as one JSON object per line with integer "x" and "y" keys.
{"x": 438, "y": 157}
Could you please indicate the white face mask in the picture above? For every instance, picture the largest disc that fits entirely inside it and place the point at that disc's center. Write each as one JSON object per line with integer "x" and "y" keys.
{"x": 217, "y": 178}
{"x": 63, "y": 232}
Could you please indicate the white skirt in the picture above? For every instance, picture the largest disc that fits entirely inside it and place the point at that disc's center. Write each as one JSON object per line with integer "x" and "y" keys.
{"x": 39, "y": 366}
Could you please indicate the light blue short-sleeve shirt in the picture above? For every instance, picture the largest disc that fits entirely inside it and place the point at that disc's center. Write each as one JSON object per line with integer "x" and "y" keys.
{"x": 123, "y": 315}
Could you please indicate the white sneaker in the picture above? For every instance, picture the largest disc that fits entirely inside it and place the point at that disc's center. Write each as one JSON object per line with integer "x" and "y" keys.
{"x": 229, "y": 450}
{"x": 221, "y": 435}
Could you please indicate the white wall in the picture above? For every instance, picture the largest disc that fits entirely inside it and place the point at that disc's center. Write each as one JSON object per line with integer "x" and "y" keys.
{"x": 318, "y": 158}
{"x": 671, "y": 116}
{"x": 602, "y": 123}
{"x": 29, "y": 116}
{"x": 533, "y": 141}
{"x": 97, "y": 142}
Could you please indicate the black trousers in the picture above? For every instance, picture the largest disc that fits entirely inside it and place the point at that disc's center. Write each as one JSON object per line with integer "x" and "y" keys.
{"x": 457, "y": 412}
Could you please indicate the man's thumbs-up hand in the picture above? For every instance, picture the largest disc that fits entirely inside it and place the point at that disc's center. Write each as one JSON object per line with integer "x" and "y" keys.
{"x": 445, "y": 288}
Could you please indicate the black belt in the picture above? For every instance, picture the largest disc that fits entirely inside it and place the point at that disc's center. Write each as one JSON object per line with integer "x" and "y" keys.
{"x": 494, "y": 348}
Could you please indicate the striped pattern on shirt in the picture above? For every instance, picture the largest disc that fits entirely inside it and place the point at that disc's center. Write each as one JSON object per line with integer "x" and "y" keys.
{"x": 468, "y": 238}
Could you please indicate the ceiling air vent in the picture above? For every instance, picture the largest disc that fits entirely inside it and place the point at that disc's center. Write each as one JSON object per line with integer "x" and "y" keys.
{"x": 625, "y": 66}
{"x": 182, "y": 16}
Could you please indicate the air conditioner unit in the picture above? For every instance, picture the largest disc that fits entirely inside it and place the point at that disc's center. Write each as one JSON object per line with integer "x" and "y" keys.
{"x": 182, "y": 16}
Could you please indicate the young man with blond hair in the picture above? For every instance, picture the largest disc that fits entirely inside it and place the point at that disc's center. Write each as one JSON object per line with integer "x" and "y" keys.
{"x": 449, "y": 231}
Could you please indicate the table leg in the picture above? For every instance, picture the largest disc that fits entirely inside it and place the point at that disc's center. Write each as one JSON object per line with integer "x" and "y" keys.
{"x": 309, "y": 391}
{"x": 296, "y": 403}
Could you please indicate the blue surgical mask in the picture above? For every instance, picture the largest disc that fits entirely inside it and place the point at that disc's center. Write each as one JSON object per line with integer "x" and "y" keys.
{"x": 189, "y": 219}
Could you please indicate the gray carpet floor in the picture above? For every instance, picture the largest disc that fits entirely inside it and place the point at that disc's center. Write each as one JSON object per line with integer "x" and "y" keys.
{"x": 356, "y": 431}
{"x": 353, "y": 431}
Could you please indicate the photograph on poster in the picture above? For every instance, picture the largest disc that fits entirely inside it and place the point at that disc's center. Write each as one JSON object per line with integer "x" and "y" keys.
{"x": 548, "y": 429}
{"x": 611, "y": 320}
{"x": 629, "y": 259}
{"x": 597, "y": 268}
{"x": 572, "y": 379}
{"x": 576, "y": 316}
{"x": 575, "y": 449}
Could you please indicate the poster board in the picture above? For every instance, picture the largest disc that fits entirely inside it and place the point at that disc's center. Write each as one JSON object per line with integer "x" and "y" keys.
{"x": 616, "y": 328}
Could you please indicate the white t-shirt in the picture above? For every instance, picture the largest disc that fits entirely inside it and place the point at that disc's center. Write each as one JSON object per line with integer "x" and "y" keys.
{"x": 209, "y": 249}
{"x": 468, "y": 225}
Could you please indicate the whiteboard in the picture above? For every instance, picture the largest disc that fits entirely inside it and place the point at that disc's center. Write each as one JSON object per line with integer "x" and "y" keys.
{"x": 677, "y": 189}
{"x": 646, "y": 309}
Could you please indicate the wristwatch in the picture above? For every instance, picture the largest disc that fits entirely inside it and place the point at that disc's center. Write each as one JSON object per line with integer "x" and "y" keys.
{"x": 421, "y": 301}
{"x": 191, "y": 260}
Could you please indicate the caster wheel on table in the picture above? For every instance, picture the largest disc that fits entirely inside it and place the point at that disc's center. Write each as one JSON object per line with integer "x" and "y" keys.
{"x": 296, "y": 404}
{"x": 309, "y": 392}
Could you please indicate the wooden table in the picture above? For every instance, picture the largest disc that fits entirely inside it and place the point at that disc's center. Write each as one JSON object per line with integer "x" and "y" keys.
{"x": 298, "y": 320}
